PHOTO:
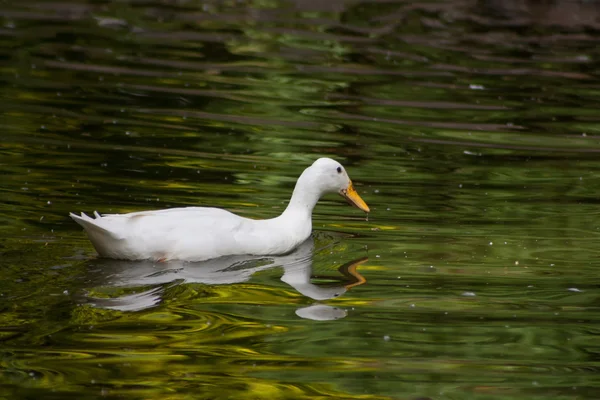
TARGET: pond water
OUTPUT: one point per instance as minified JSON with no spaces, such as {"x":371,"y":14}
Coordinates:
{"x":471,"y":128}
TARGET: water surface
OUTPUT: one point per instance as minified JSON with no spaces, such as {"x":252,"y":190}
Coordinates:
{"x":469,"y":127}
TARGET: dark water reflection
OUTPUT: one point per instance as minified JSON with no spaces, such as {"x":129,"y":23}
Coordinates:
{"x":470,"y":128}
{"x":152,"y":276}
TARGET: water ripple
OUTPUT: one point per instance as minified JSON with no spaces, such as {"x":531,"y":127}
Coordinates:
{"x":469,"y":128}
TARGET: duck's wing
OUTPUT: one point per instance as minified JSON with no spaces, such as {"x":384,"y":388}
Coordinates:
{"x":121,"y":226}
{"x":192,"y":233}
{"x":170,"y":212}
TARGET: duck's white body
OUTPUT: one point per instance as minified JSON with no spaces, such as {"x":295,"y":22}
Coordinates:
{"x":200,"y":233}
{"x":192,"y":234}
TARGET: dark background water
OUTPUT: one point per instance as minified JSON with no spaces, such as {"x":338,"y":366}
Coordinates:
{"x":471,"y":128}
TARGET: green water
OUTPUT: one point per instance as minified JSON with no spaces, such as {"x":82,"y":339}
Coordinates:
{"x":471,"y":129}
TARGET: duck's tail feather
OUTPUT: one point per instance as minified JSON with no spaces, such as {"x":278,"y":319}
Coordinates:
{"x":94,"y":225}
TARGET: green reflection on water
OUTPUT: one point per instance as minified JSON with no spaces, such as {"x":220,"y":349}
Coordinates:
{"x":472,"y":138}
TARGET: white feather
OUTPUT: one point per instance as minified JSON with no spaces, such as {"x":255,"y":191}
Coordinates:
{"x":201,"y":233}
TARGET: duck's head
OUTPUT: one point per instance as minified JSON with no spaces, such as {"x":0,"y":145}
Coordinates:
{"x":332,"y":177}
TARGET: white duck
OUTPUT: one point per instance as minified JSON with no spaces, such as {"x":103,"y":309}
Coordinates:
{"x":202,"y":233}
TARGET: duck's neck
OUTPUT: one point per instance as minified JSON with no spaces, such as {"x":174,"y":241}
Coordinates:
{"x":304,"y":198}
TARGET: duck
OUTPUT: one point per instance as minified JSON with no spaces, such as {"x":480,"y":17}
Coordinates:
{"x":204,"y":233}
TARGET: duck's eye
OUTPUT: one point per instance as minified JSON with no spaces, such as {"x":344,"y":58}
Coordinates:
{"x":339,"y":170}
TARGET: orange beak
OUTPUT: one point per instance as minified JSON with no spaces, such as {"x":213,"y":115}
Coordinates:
{"x":353,"y":198}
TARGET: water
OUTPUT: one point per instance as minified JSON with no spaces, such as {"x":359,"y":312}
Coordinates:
{"x":470,"y":128}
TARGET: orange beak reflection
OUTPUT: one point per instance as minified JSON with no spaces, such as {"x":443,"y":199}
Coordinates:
{"x":353,"y":198}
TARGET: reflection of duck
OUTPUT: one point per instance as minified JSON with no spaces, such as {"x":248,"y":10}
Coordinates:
{"x":201,"y":233}
{"x":297,"y":268}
